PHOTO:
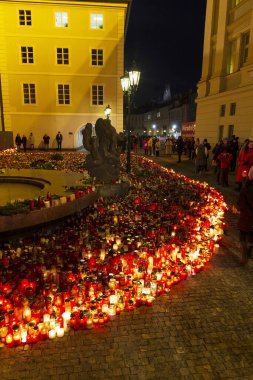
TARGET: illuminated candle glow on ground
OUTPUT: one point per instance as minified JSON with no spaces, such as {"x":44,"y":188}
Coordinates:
{"x":118,"y":254}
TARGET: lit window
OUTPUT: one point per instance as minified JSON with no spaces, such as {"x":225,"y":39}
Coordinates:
{"x":63,"y":94}
{"x":222,"y":110}
{"x":232,"y":108}
{"x":27,"y":54}
{"x":29,"y":93}
{"x":231,"y":57}
{"x":96,"y":21}
{"x":25,"y":17}
{"x":61,"y":19}
{"x":97,"y":57}
{"x":149,"y":116}
{"x":97,"y":95}
{"x":62,"y":56}
{"x":245,"y":47}
{"x":158,"y":114}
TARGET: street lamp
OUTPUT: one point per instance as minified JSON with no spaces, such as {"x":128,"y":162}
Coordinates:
{"x":129,"y":84}
{"x":107,"y":111}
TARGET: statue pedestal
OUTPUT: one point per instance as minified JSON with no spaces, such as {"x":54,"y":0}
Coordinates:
{"x":6,"y":140}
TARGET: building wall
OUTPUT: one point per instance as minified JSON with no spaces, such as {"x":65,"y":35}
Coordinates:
{"x":156,"y":121}
{"x":47,"y":116}
{"x":227,"y":71}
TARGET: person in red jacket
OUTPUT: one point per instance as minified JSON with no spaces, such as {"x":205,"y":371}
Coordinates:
{"x":245,"y":221}
{"x":224,"y":159}
{"x":245,"y":161}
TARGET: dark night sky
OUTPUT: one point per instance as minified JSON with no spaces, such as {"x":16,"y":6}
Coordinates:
{"x":165,"y":39}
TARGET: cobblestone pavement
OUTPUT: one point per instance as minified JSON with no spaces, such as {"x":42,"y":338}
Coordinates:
{"x":203,"y":329}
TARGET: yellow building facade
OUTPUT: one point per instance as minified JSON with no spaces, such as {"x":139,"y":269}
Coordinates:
{"x":60,"y":65}
{"x":225,"y":90}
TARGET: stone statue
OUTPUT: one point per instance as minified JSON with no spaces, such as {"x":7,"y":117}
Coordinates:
{"x":103,"y":160}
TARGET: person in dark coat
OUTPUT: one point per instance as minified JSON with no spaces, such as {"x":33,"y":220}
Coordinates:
{"x":59,"y":139}
{"x":245,"y":221}
{"x":18,"y":142}
{"x":180,"y":148}
{"x":46,"y":140}
{"x":208,"y":147}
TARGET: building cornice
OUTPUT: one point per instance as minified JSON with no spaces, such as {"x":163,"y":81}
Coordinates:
{"x":113,"y":3}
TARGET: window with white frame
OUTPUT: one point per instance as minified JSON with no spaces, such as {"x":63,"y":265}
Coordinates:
{"x":97,"y":57}
{"x":27,"y":54}
{"x":63,"y":94}
{"x":25,"y":17}
{"x":29,"y":93}
{"x":97,"y":95}
{"x":96,"y":21}
{"x":61,"y":19}
{"x":62,"y":56}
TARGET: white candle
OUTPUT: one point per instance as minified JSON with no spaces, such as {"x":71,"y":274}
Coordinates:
{"x":23,"y":336}
{"x":60,"y":332}
{"x":46,"y":318}
{"x":66,"y":319}
{"x":52,"y":334}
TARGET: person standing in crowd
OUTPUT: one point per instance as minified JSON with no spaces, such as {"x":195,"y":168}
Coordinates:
{"x":59,"y":139}
{"x":145,"y":145}
{"x":245,"y":221}
{"x":46,"y":140}
{"x":180,"y":148}
{"x":153,"y":145}
{"x":157,"y":147}
{"x":200,"y":160}
{"x":150,"y":143}
{"x":215,"y":162}
{"x":224,"y":158}
{"x":24,"y":142}
{"x":197,"y":142}
{"x":168,"y":146}
{"x":208,"y":147}
{"x":245,"y":161}
{"x":31,"y":141}
{"x":191,"y":144}
{"x":18,"y":142}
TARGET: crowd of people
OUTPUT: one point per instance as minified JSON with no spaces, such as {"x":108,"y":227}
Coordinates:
{"x":228,"y":155}
{"x":28,"y":143}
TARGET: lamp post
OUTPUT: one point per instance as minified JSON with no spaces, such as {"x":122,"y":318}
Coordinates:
{"x":108,"y":111}
{"x":129,"y":84}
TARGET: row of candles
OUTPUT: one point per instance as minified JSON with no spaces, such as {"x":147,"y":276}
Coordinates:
{"x":117,"y":255}
{"x":49,"y":201}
